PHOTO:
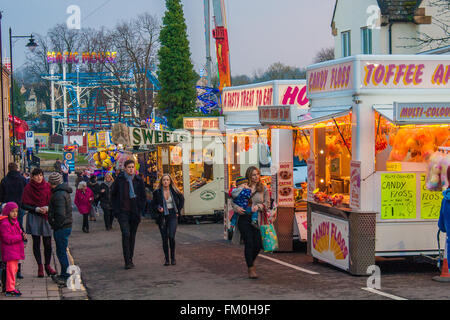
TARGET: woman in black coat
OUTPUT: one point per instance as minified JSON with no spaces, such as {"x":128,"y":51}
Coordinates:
{"x":168,"y":202}
{"x":105,"y":201}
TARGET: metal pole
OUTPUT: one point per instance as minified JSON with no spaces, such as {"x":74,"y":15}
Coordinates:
{"x":2,"y":105}
{"x":208,"y":42}
{"x":12,"y":95}
{"x":52,"y":69}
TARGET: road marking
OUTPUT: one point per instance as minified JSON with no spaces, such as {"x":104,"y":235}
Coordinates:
{"x":381,"y":293}
{"x":288,"y":264}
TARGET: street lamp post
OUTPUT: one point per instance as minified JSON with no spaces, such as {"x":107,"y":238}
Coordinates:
{"x":2,"y":93}
{"x":30,"y":45}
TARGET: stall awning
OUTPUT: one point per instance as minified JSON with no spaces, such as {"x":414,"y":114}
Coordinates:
{"x":319,"y":114}
{"x":387,"y":111}
{"x":233,"y":126}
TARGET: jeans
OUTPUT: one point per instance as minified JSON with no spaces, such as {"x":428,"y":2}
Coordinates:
{"x":108,"y":216}
{"x":62,"y":241}
{"x":65,"y":177}
{"x":85,"y":222}
{"x":129,"y":223}
{"x":168,"y":227}
{"x":252,"y":239}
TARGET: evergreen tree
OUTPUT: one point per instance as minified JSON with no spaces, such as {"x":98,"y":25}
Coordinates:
{"x":176,"y":73}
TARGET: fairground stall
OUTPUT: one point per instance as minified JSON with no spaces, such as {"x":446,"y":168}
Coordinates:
{"x":248,"y":141}
{"x":375,"y":123}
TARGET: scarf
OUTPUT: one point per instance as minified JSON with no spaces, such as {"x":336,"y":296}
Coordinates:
{"x":108,"y":183}
{"x":37,"y":194}
{"x":166,"y":211}
{"x":130,"y":183}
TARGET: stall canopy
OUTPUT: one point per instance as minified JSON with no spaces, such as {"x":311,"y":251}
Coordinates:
{"x":319,"y":114}
{"x":387,"y":111}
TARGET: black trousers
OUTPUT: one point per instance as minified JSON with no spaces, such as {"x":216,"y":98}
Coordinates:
{"x":252,"y":239}
{"x":108,"y":216}
{"x":47,"y":249}
{"x":168,"y":227}
{"x":86,"y":221}
{"x":129,"y":222}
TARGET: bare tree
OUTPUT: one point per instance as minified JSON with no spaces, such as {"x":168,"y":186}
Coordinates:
{"x":277,"y":71}
{"x":441,"y":20}
{"x":324,"y":54}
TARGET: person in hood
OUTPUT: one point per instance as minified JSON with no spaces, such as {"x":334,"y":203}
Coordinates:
{"x":35,"y":199}
{"x":12,"y":245}
{"x":11,"y":190}
{"x":83,"y":200}
{"x":444,"y":216}
{"x":60,"y":219}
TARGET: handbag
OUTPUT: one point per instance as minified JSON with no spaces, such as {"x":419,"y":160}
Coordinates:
{"x":268,"y":234}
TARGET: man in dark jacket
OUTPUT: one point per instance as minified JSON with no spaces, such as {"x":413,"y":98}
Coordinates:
{"x":128,"y":199}
{"x":11,"y":188}
{"x":60,"y":219}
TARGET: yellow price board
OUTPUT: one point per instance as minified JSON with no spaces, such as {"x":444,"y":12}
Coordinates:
{"x":393,"y":166}
{"x":398,"y":196}
{"x":430,"y":201}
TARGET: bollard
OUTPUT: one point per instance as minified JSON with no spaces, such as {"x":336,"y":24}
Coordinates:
{"x":445,"y":275}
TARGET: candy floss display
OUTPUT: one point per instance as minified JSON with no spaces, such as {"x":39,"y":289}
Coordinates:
{"x":384,"y":140}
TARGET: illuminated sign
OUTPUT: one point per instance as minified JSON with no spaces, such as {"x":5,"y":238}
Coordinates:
{"x":83,"y":57}
{"x":422,"y":112}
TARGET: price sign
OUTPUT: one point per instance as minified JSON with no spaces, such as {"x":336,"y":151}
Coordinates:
{"x":398,"y":196}
{"x":430,"y":201}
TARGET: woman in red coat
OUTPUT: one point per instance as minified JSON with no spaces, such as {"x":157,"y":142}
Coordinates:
{"x":83,"y":200}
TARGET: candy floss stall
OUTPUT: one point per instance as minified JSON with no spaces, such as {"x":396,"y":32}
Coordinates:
{"x":397,"y":112}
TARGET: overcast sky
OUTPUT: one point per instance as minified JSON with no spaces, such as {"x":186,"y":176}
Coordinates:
{"x":260,"y":31}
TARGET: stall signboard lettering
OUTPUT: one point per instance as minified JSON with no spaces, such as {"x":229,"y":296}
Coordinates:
{"x":92,"y":140}
{"x":275,"y":113}
{"x":393,"y":166}
{"x":405,"y":74}
{"x":311,"y":168}
{"x":205,"y":123}
{"x":330,"y":240}
{"x":422,"y":112}
{"x":247,"y":99}
{"x":144,"y":136}
{"x":293,"y":95}
{"x":337,"y":77}
{"x":285,"y":181}
{"x":398,"y":196}
{"x":430,"y":201}
{"x":355,"y":184}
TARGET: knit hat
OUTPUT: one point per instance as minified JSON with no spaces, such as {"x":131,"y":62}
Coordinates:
{"x":10,"y":206}
{"x":241,"y":180}
{"x":55,"y":179}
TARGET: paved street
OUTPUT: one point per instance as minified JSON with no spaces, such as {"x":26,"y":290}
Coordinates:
{"x":208,"y":267}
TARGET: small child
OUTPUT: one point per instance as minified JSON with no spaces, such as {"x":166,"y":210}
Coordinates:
{"x":12,"y":246}
{"x":241,"y":196}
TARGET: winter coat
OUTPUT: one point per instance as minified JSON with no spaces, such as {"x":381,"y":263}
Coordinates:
{"x":120,"y":186}
{"x":105,"y":197}
{"x":11,"y":187}
{"x":60,"y":208}
{"x":158,"y":202}
{"x":444,"y":216}
{"x":83,"y":200}
{"x":95,"y":188}
{"x":11,"y":240}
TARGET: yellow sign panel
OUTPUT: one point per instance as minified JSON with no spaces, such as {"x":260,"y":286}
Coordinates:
{"x":398,"y":196}
{"x":393,"y":166}
{"x":92,"y":140}
{"x":430,"y":201}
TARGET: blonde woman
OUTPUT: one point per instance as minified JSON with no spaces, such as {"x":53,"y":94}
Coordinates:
{"x":168,"y":202}
{"x":105,"y":201}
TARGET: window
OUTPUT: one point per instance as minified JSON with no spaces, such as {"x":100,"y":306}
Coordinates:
{"x":346,"y":51}
{"x":366,"y":40}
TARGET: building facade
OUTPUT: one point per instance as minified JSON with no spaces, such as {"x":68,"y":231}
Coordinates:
{"x":385,"y":26}
{"x":5,"y":149}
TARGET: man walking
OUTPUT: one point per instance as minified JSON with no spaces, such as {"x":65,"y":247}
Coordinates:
{"x":128,"y":198}
{"x":60,"y":219}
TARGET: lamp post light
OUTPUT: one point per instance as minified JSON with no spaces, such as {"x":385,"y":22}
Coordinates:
{"x":31,"y":45}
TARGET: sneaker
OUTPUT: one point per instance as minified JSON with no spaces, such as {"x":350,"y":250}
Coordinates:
{"x":15,"y":293}
{"x":59,"y":280}
{"x":128,"y":266}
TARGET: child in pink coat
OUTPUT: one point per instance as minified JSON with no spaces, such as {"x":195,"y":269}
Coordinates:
{"x":12,"y":246}
{"x":84,"y":198}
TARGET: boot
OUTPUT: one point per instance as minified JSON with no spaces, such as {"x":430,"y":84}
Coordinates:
{"x":40,"y":270}
{"x":49,"y":270}
{"x":252,"y":273}
{"x":19,"y":272}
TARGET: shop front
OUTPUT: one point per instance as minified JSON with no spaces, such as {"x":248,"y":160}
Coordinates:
{"x":376,"y":122}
